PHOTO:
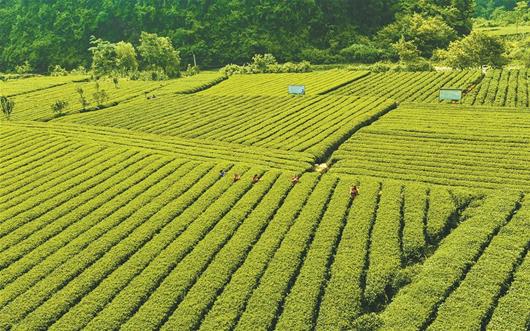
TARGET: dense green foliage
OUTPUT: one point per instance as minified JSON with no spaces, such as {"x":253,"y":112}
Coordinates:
{"x":496,"y":9}
{"x":223,"y":31}
{"x":473,"y":51}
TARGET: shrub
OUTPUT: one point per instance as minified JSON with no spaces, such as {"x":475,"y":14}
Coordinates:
{"x":380,"y":67}
{"x":57,"y":71}
{"x":262,"y":62}
{"x":303,"y":66}
{"x":24,"y":68}
{"x":230,"y":69}
{"x":191,"y":71}
{"x":155,"y":75}
{"x":265,"y":63}
{"x":419,"y":65}
{"x":320,"y":56}
{"x":362,"y":53}
{"x":81,"y":70}
{"x":368,"y":322}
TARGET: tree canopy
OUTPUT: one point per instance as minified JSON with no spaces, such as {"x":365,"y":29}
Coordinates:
{"x":486,"y":8}
{"x":217,"y":32}
{"x":475,"y":50}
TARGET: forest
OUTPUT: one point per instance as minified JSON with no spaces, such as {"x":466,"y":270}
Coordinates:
{"x":58,"y":32}
{"x":219,"y":32}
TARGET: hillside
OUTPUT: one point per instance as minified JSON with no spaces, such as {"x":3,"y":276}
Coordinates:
{"x":216,"y":33}
{"x":175,"y":205}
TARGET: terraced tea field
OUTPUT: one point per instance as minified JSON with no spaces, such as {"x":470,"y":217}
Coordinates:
{"x":310,"y":124}
{"x":181,"y":210}
{"x":506,"y":31}
{"x":434,"y":145}
{"x":502,"y":88}
{"x":193,"y":84}
{"x":126,"y":238}
{"x":14,"y":87}
{"x":33,"y":134}
{"x":410,"y":86}
{"x":34,"y":102}
{"x":316,"y":83}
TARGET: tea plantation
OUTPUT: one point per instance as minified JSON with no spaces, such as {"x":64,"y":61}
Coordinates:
{"x":203,"y":203}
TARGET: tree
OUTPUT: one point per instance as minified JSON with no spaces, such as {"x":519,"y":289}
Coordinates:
{"x":407,"y":51}
{"x":7,"y":106}
{"x":475,"y":50}
{"x":82,"y":99}
{"x":521,"y":9}
{"x":158,"y":53}
{"x":103,"y":56}
{"x":262,"y":62}
{"x":430,"y":33}
{"x":58,"y":107}
{"x":100,"y":95}
{"x":457,"y":14}
{"x":520,"y":51}
{"x":463,"y":13}
{"x":426,"y":33}
{"x":126,"y":61}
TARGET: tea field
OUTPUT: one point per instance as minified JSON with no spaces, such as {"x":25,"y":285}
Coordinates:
{"x":502,"y":88}
{"x":36,"y":134}
{"x":313,"y":124}
{"x":34,"y":102}
{"x":199,"y":204}
{"x":410,"y":86}
{"x":14,"y":87}
{"x":316,"y":83}
{"x":446,"y":145}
